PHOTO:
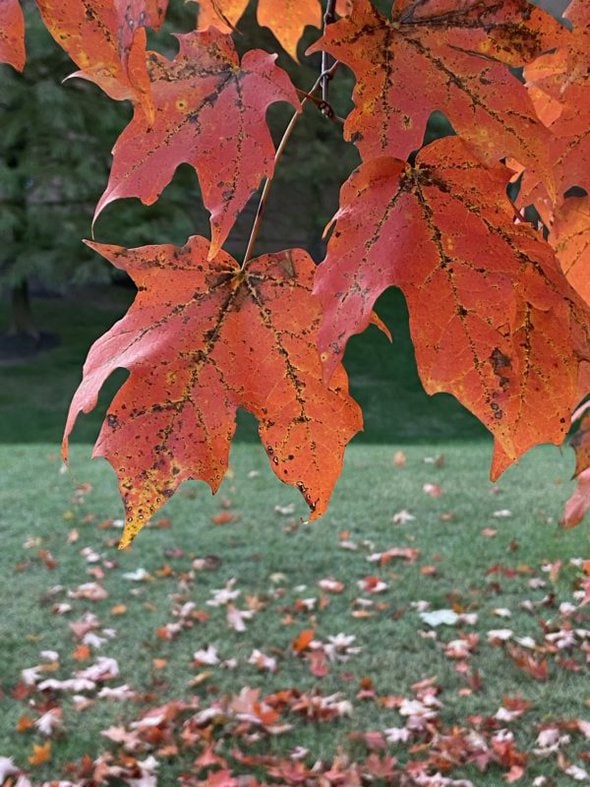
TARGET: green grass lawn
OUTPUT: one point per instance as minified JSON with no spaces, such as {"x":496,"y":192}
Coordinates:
{"x":58,"y":535}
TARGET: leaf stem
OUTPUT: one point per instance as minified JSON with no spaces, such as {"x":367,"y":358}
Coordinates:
{"x":279,"y":152}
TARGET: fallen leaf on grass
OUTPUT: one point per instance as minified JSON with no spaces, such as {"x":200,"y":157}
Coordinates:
{"x":91,"y":591}
{"x":7,"y":768}
{"x":24,"y":724}
{"x":285,"y":510}
{"x":432,"y":490}
{"x":262,"y":661}
{"x":318,"y":663}
{"x":41,"y":754}
{"x":402,"y":517}
{"x":577,"y":773}
{"x":498,"y":636}
{"x":236,"y":617}
{"x":105,"y":668}
{"x":206,"y":655}
{"x":49,"y":722}
{"x":372,"y":584}
{"x":75,"y":685}
{"x":81,"y":653}
{"x":537,"y":668}
{"x":405,"y":553}
{"x":223,"y":518}
{"x":222,"y":596}
{"x":331,"y":585}
{"x":139,"y":575}
{"x":302,"y":640}
{"x":123,"y":692}
{"x":439,"y":617}
{"x":340,"y":647}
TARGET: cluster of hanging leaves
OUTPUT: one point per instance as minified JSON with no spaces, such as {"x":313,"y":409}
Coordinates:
{"x":499,"y":305}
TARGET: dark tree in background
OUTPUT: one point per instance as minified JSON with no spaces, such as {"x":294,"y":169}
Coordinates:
{"x":54,"y":160}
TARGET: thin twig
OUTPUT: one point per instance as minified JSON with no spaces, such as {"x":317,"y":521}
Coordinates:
{"x":279,"y":152}
{"x":321,"y":105}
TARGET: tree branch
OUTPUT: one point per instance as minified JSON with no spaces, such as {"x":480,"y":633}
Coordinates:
{"x":279,"y":152}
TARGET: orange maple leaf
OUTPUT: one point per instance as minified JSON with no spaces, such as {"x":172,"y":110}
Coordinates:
{"x":210,"y":112}
{"x":107,"y":42}
{"x":443,"y":231}
{"x":570,"y":237}
{"x":559,"y":84}
{"x":12,"y":34}
{"x":302,"y":640}
{"x":286,"y":18}
{"x":41,"y":754}
{"x":442,"y":55}
{"x":202,"y":339}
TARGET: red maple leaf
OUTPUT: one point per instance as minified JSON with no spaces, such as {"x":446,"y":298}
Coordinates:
{"x":286,"y":18}
{"x":559,"y":84}
{"x":12,"y":34}
{"x":570,"y":237}
{"x":202,"y":339}
{"x":444,"y":232}
{"x":210,"y":113}
{"x":437,"y":54}
{"x":107,"y":42}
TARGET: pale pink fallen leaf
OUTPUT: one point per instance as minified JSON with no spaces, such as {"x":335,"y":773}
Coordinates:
{"x":105,"y":668}
{"x":331,"y":585}
{"x":50,"y":721}
{"x":236,"y":617}
{"x":402,"y":517}
{"x":262,"y":661}
{"x":91,"y":591}
{"x":206,"y":655}
{"x":7,"y":768}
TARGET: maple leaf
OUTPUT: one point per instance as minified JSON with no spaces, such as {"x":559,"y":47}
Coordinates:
{"x":580,"y":440}
{"x":570,"y":237}
{"x":41,"y":754}
{"x":537,"y":668}
{"x":12,"y":34}
{"x":303,"y":640}
{"x":50,"y":721}
{"x":434,"y":54}
{"x":443,"y":231}
{"x":222,"y":14}
{"x":107,"y":42}
{"x":7,"y":768}
{"x":202,"y":339}
{"x":578,"y":503}
{"x":209,"y":113}
{"x":286,"y":18}
{"x":559,"y":84}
